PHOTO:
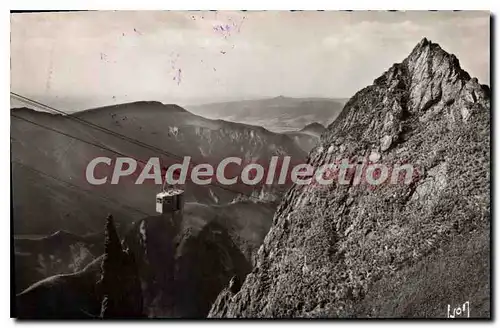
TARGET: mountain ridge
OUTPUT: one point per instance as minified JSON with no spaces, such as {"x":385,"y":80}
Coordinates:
{"x":179,"y":133}
{"x":329,"y":247}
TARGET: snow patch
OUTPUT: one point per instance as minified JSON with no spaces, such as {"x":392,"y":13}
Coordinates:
{"x":142,"y":232}
{"x":173,"y":130}
{"x":202,"y":152}
{"x":214,"y":196}
{"x":79,"y":255}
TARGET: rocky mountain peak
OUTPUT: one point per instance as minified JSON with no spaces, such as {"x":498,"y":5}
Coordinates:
{"x":430,"y":74}
{"x":431,"y":54}
{"x":332,"y":250}
{"x":429,"y":78}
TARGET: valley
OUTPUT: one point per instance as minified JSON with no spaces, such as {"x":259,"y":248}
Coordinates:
{"x":50,"y":160}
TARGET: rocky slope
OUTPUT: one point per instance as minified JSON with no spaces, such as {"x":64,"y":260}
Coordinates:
{"x":394,"y":250}
{"x":205,"y":262}
{"x":184,"y":263}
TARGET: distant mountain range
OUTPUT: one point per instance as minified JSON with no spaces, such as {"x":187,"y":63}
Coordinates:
{"x":167,"y":127}
{"x":279,"y":114}
{"x":221,"y":230}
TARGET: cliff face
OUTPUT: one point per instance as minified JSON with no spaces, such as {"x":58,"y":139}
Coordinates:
{"x":183,"y":267}
{"x":393,"y":249}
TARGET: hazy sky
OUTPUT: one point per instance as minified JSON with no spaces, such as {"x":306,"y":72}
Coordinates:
{"x":88,"y":59}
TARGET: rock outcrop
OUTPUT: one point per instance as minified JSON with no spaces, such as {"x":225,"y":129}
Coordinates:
{"x":395,"y":249}
{"x":108,"y":287}
{"x":119,"y":284}
{"x":165,"y":267}
{"x":182,"y":269}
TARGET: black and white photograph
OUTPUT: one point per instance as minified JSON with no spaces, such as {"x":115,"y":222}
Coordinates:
{"x":250,"y":164}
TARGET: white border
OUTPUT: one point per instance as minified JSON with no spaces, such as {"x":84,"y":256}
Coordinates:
{"x":250,"y":5}
{"x":202,"y":5}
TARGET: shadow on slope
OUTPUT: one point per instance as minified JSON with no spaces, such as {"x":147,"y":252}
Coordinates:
{"x":59,"y":253}
{"x":65,"y":296}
